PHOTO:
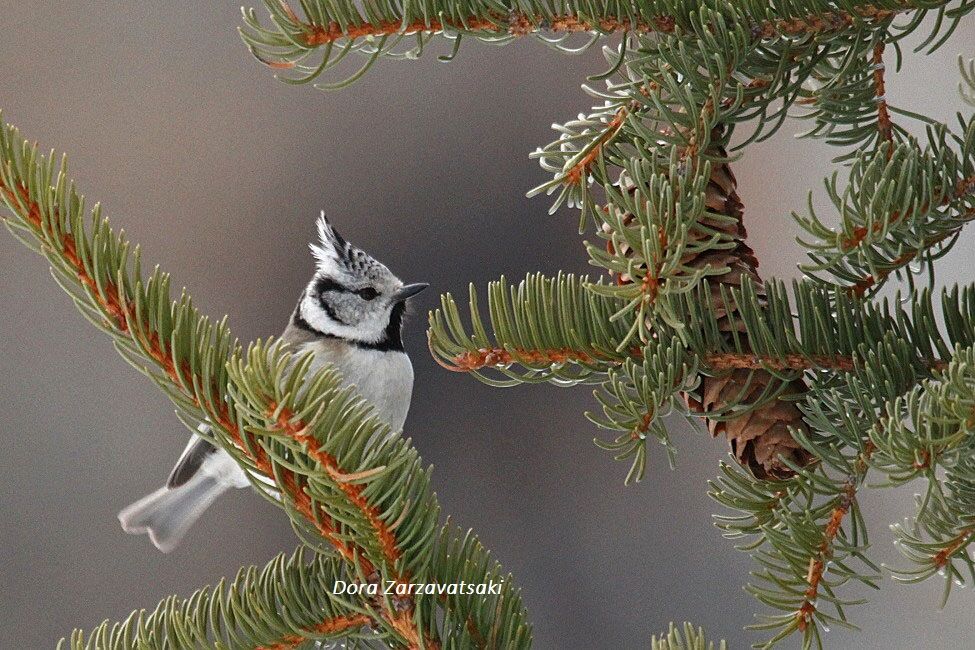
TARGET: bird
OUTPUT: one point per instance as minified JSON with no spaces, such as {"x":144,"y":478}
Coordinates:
{"x":350,"y":315}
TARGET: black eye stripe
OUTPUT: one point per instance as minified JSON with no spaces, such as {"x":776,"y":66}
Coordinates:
{"x":328,"y":284}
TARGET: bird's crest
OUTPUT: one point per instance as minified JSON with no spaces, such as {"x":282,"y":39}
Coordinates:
{"x":336,"y":258}
{"x":330,"y":251}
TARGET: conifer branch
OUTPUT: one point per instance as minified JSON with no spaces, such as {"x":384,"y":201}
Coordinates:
{"x":686,"y":325}
{"x":902,"y":204}
{"x":499,"y":357}
{"x":687,"y":313}
{"x":806,"y":331}
{"x":339,"y":28}
{"x":226,"y":615}
{"x":884,"y":124}
{"x":843,"y":503}
{"x":520,"y":23}
{"x":342,"y":477}
{"x":687,"y":638}
{"x":927,"y":431}
{"x":286,"y":422}
{"x":674,"y":184}
{"x":604,"y":139}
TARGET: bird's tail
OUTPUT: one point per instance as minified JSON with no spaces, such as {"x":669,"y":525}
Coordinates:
{"x":166,"y":514}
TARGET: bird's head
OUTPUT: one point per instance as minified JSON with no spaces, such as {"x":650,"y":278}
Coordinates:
{"x":353,"y":296}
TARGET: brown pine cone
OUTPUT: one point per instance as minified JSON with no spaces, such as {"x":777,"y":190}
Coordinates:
{"x":760,"y":437}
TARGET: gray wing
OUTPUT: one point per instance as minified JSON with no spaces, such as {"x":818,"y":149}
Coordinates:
{"x":199,"y":448}
{"x":190,"y":461}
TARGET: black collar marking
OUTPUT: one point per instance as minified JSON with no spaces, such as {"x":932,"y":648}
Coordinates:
{"x":392,"y":336}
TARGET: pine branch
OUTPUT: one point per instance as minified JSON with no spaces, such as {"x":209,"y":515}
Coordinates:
{"x":927,"y":431}
{"x":845,"y":96}
{"x":637,"y":396}
{"x":308,"y":416}
{"x":805,"y":533}
{"x":672,"y":215}
{"x":499,"y":357}
{"x":258,"y":607}
{"x":336,"y":29}
{"x":842,"y":505}
{"x":902,"y":204}
{"x":806,"y":530}
{"x":345,"y":481}
{"x":554,"y":329}
{"x":548,"y":325}
{"x":867,"y":283}
{"x":812,"y":329}
{"x":125,"y":306}
{"x":691,"y":639}
{"x":931,"y":426}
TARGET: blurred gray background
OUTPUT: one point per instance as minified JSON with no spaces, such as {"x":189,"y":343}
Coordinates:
{"x":218,"y":171}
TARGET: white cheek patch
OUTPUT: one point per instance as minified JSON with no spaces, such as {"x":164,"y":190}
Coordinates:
{"x":319,"y":320}
{"x":368,"y":330}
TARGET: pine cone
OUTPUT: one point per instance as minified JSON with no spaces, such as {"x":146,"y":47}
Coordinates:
{"x":760,"y":438}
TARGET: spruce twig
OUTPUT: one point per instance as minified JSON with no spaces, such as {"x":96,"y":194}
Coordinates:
{"x":350,"y":488}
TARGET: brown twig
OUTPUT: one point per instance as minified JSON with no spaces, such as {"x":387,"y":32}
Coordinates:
{"x":578,"y":171}
{"x":500,"y":357}
{"x":518,"y":23}
{"x":401,"y":621}
{"x":328,"y":626}
{"x":817,"y":562}
{"x":884,"y":124}
{"x":640,"y":430}
{"x":964,"y":187}
{"x":942,"y":557}
{"x":353,"y":491}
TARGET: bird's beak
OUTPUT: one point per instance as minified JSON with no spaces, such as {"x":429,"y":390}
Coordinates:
{"x":408,"y":291}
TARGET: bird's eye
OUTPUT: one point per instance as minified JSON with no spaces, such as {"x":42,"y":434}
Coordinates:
{"x":368,"y":293}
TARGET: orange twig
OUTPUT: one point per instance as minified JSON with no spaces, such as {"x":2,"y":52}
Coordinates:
{"x":353,"y":491}
{"x":578,"y":172}
{"x":328,"y":626}
{"x":817,"y":562}
{"x":401,"y":621}
{"x":494,"y":357}
{"x":641,"y":429}
{"x":965,"y":186}
{"x":942,"y":557}
{"x":650,"y":286}
{"x":884,"y":123}
{"x":518,"y":23}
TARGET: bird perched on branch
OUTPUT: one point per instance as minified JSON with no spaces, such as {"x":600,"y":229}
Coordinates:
{"x":350,"y":316}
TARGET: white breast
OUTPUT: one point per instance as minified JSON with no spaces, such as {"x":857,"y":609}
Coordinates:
{"x":384,"y":378}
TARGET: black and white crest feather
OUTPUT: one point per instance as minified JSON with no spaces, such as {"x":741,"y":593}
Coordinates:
{"x":338,"y":259}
